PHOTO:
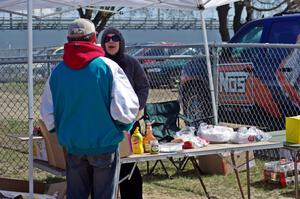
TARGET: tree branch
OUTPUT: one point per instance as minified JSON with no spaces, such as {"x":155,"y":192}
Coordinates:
{"x":269,"y":9}
{"x":88,"y":13}
{"x":249,"y":10}
{"x":80,"y":11}
{"x":265,"y":3}
{"x":238,"y":9}
{"x":98,"y":17}
{"x":102,"y":24}
{"x":222,"y":15}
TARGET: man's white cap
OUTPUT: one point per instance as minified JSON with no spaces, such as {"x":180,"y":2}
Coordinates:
{"x":81,"y":27}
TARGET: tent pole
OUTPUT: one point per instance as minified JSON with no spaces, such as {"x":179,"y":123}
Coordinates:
{"x":30,"y":96}
{"x":208,"y":64}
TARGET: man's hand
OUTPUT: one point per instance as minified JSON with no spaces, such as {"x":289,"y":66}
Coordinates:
{"x":139,"y":115}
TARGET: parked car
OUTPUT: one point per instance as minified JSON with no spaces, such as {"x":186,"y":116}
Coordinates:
{"x":58,"y":51}
{"x":254,"y":84}
{"x":133,"y":49}
{"x":166,"y":73}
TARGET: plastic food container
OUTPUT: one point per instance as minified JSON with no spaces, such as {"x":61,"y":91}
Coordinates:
{"x":170,"y":147}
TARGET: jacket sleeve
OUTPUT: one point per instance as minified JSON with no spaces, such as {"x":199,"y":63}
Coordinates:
{"x":141,"y":83}
{"x":124,"y":102}
{"x":46,"y":108}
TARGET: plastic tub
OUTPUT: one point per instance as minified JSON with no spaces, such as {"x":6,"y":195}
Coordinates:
{"x":170,"y":147}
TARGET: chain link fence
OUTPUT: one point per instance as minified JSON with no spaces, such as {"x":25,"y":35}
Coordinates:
{"x":254,"y":85}
{"x":14,"y":111}
{"x":258,"y":85}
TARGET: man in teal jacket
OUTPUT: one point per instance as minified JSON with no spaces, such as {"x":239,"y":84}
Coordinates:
{"x":89,"y":101}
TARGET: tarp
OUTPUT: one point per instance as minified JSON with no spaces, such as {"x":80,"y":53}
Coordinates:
{"x":27,"y":6}
{"x":18,"y":5}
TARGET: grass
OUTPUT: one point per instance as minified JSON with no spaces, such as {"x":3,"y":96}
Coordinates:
{"x":187,"y":185}
{"x":14,"y":162}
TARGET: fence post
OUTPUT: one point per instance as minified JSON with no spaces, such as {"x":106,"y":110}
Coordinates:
{"x":215,"y":60}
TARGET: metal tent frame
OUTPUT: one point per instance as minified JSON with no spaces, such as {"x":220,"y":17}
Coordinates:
{"x":14,"y":6}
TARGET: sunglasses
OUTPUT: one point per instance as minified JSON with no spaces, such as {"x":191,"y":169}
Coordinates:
{"x":114,"y":38}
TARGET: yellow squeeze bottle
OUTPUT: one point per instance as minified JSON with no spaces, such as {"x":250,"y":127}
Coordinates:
{"x":137,"y":142}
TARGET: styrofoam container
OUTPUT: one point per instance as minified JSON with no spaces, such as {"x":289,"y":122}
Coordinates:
{"x":170,"y":147}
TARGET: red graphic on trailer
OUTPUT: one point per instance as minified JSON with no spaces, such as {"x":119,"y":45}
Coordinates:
{"x":238,"y":86}
{"x":288,"y":75}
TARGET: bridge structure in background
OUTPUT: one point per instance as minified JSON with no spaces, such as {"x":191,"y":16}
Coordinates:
{"x":153,"y":24}
{"x":144,"y":18}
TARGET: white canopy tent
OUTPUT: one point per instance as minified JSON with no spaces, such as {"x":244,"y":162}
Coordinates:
{"x":19,"y":6}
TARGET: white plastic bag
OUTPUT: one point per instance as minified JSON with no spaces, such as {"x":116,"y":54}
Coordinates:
{"x":253,"y":134}
{"x":186,"y":131}
{"x":216,"y":134}
{"x":187,"y":134}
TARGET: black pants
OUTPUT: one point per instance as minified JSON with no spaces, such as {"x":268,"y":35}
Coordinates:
{"x":133,"y":188}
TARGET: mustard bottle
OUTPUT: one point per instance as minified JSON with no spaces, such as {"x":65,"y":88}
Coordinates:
{"x":137,"y":142}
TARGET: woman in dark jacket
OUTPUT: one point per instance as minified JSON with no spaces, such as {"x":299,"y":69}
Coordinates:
{"x":113,"y":44}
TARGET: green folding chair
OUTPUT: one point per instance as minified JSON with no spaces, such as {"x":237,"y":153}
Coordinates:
{"x":164,"y":117}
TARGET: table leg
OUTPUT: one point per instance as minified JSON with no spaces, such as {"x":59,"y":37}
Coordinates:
{"x":198,"y":170}
{"x":164,"y":168}
{"x":148,"y":170}
{"x":118,"y":168}
{"x":128,"y":177}
{"x":248,"y":174}
{"x":296,"y":174}
{"x":131,"y":172}
{"x":237,"y":175}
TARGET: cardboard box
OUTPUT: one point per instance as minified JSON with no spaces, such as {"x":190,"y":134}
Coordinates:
{"x":39,"y":149}
{"x":292,"y":125}
{"x":125,"y":147}
{"x":55,"y":152}
{"x":17,"y":188}
{"x":215,"y":164}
